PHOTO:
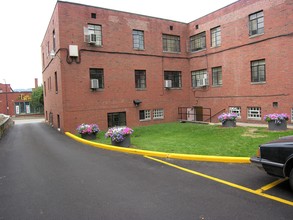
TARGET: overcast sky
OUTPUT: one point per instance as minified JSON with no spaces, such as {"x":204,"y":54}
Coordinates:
{"x":23,"y":24}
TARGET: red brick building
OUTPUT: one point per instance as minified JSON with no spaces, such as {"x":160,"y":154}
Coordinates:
{"x":17,"y":103}
{"x":115,"y":68}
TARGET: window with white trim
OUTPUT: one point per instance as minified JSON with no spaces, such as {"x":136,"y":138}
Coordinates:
{"x":175,"y":77}
{"x":144,"y":115}
{"x":216,"y":37}
{"x":254,"y":113}
{"x":256,"y":23}
{"x":258,"y":71}
{"x":197,"y":42}
{"x":93,"y":34}
{"x":138,"y":39}
{"x":171,"y":43}
{"x":291,"y":114}
{"x":158,"y":113}
{"x":217,"y":76}
{"x":236,"y":110}
{"x":199,"y":78}
{"x":140,"y":79}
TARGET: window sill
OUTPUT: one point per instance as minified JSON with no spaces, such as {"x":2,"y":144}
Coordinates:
{"x":158,"y":118}
{"x":97,"y":90}
{"x":173,"y":52}
{"x":141,"y":89}
{"x":144,"y":120}
{"x":257,"y":83}
{"x":200,"y":87}
{"x":217,"y":86}
{"x":196,"y":51}
{"x":256,"y":35}
{"x":255,"y":119}
{"x":137,"y":49}
{"x":214,"y":47}
{"x":174,"y":88}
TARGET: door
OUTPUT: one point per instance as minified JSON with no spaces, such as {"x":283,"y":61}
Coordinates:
{"x":198,"y":113}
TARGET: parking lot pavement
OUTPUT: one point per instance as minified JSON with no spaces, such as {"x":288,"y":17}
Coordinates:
{"x":245,"y":177}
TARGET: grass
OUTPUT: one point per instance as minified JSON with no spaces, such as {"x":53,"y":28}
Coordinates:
{"x":188,"y":138}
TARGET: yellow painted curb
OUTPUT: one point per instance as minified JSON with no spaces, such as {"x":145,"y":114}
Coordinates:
{"x":221,"y":159}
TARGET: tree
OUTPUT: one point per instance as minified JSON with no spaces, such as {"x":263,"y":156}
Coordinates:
{"x":37,"y":97}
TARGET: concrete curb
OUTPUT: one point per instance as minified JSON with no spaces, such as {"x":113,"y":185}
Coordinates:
{"x":205,"y":158}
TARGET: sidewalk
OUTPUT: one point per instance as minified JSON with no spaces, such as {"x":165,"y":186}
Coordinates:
{"x":289,"y":126}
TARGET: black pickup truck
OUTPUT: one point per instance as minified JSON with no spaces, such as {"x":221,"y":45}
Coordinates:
{"x":276,"y":158}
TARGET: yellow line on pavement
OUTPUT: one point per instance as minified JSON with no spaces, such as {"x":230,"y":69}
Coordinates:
{"x":271,"y":185}
{"x":256,"y":192}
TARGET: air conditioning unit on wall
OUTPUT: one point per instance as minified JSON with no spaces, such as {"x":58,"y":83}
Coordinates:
{"x":92,"y":38}
{"x":94,"y":83}
{"x":202,"y":82}
{"x":168,"y":84}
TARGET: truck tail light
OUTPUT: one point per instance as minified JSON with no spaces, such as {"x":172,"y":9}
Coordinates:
{"x":258,"y":152}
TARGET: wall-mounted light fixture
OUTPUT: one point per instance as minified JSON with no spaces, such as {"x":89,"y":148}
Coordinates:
{"x":136,"y":102}
{"x":53,"y":55}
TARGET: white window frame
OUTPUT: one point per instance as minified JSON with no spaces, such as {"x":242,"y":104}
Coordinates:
{"x":138,"y":39}
{"x":147,"y":115}
{"x":254,"y":113}
{"x":93,"y":29}
{"x":216,"y":37}
{"x":158,"y":114}
{"x":256,"y":23}
{"x":199,"y":78}
{"x":235,"y":109}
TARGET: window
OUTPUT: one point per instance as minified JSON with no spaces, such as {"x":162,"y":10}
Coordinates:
{"x":48,"y":48}
{"x":199,"y":78}
{"x":54,"y":41}
{"x":116,"y":119}
{"x":99,"y":75}
{"x":256,"y":23}
{"x":217,"y":76}
{"x":291,"y":114}
{"x":140,"y":79}
{"x":22,"y":108}
{"x":216,"y":37}
{"x":275,"y":104}
{"x":58,"y":122}
{"x":175,"y":77}
{"x":49,"y":84}
{"x":198,"y":42}
{"x":93,"y":15}
{"x":93,"y":34}
{"x":236,"y":110}
{"x":158,"y":113}
{"x":144,"y":115}
{"x":258,"y":71}
{"x":171,"y":43}
{"x":45,"y":90}
{"x":56,"y":83}
{"x":254,"y":113}
{"x":138,"y":39}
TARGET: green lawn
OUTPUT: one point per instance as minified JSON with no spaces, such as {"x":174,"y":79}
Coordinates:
{"x":200,"y":139}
